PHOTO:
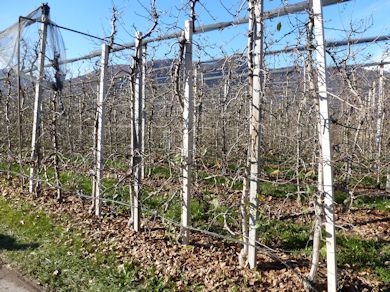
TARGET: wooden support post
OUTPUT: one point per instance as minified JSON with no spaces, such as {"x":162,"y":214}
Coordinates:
{"x":188,"y":119}
{"x":137,"y":132}
{"x":255,"y":129}
{"x":34,"y":185}
{"x":100,"y":129}
{"x":326,"y":146}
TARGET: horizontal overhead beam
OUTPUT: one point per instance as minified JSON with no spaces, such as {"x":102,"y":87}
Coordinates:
{"x":330,"y":44}
{"x":278,"y":12}
{"x":301,"y":48}
{"x":280,"y":70}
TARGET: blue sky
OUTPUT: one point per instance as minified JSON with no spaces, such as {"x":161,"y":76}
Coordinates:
{"x":93,"y":17}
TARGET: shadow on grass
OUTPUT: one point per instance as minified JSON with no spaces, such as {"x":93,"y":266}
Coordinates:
{"x":9,"y":243}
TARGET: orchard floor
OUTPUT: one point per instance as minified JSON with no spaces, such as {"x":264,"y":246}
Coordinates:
{"x":209,"y":263}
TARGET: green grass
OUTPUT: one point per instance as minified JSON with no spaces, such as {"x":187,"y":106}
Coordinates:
{"x":352,"y":251}
{"x":277,"y":189}
{"x":373,"y":202}
{"x":381,"y":202}
{"x":365,"y":254}
{"x":360,"y":253}
{"x":340,"y":197}
{"x":368,"y":181}
{"x":64,"y":260}
{"x":282,"y":234}
{"x":117,"y":163}
{"x":201,"y":210}
{"x":73,"y":181}
{"x":159,"y":172}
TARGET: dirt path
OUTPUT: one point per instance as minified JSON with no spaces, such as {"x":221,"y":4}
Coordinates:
{"x":12,"y":281}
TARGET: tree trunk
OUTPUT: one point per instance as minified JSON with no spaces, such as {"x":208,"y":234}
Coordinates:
{"x":54,"y":139}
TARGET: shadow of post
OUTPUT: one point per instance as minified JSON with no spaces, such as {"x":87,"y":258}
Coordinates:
{"x":9,"y":243}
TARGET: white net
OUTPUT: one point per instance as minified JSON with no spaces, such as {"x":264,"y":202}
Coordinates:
{"x":19,"y":45}
{"x":9,"y":40}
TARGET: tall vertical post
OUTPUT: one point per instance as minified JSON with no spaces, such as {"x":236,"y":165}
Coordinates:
{"x":388,"y":173}
{"x":198,"y":102}
{"x":100,"y":129}
{"x":34,"y":185}
{"x":95,"y":129}
{"x":325,"y":147}
{"x":20,"y":135}
{"x":196,"y":94}
{"x":255,"y":128}
{"x":137,"y":132}
{"x":144,"y":52}
{"x":188,"y":119}
{"x":379,"y":125}
{"x":388,"y":145}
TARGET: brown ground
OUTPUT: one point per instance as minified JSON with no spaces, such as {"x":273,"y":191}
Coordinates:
{"x":210,"y":261}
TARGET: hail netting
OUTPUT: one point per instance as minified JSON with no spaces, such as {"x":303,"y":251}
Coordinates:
{"x":25,"y":36}
{"x":9,"y":40}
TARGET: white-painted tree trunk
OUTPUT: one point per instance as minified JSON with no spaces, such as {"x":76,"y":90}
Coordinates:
{"x":100,"y":129}
{"x":255,"y":129}
{"x":188,"y":118}
{"x":137,"y":133}
{"x":325,"y":147}
{"x":34,"y":185}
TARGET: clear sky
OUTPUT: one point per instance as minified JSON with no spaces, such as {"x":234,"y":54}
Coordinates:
{"x":368,"y":17}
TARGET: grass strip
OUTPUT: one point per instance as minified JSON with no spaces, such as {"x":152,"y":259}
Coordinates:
{"x":64,"y":260}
